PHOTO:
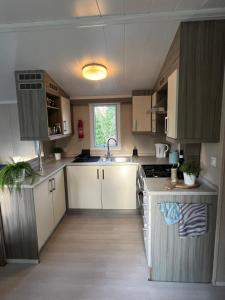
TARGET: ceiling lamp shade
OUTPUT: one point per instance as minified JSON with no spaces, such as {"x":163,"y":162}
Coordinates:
{"x":94,"y":71}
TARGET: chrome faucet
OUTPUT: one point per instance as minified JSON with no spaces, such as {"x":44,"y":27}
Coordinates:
{"x":108,"y":150}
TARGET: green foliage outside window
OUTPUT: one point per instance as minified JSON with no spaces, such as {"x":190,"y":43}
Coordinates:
{"x":104,"y":124}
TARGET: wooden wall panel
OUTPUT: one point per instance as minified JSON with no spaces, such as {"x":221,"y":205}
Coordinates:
{"x":181,"y":259}
{"x":2,"y":243}
{"x":171,"y":62}
{"x":19,"y":222}
{"x":202,"y":53}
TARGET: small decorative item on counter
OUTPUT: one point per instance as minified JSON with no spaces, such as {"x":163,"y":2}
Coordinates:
{"x":13,"y":174}
{"x":58,"y":128}
{"x":173,"y":174}
{"x":191,"y":170}
{"x":180,"y":174}
{"x":173,"y":157}
{"x":135,"y":152}
{"x":57,"y":152}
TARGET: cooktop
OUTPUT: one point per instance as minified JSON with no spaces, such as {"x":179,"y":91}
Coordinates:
{"x":157,"y":170}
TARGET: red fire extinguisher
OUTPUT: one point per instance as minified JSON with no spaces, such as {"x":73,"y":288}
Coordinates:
{"x":80,"y":129}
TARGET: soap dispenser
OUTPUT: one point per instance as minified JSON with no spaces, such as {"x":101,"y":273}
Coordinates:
{"x":135,"y":152}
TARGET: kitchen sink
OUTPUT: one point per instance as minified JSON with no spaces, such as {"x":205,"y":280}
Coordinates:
{"x":117,"y":159}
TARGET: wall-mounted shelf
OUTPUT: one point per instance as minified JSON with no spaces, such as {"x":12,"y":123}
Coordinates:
{"x":41,"y":107}
{"x":53,"y":107}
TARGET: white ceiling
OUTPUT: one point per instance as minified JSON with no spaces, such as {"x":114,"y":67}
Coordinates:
{"x":131,"y":37}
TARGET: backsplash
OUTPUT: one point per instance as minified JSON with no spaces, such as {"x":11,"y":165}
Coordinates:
{"x":143,"y":142}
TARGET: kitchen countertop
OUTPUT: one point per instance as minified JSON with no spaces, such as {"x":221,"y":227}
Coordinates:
{"x":157,"y":186}
{"x":154,"y":186}
{"x":51,"y":166}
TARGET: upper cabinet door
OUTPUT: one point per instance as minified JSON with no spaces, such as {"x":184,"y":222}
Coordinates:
{"x":84,"y":187}
{"x":119,"y":187}
{"x":66,"y":115}
{"x":172,"y":105}
{"x":141,"y":113}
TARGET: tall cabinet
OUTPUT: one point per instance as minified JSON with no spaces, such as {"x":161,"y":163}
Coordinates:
{"x":43,"y":106}
{"x":193,"y":75}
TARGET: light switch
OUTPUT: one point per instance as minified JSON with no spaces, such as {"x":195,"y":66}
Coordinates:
{"x":213,"y":161}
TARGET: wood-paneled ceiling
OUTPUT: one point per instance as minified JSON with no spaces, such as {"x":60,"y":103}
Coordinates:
{"x":131,"y":37}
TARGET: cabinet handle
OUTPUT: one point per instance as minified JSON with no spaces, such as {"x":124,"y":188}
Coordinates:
{"x":136,"y":125}
{"x":97,"y":173}
{"x":50,"y":185}
{"x":103,"y":174}
{"x":53,"y":180}
{"x":64,"y":126}
{"x":166,"y":125}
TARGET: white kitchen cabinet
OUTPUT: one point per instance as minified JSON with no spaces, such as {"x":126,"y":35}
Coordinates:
{"x":66,"y":115}
{"x":84,"y":187}
{"x":58,"y":196}
{"x":172,"y":105}
{"x":107,"y":187}
{"x":43,"y":211}
{"x":119,"y":187}
{"x":141,"y":108}
{"x":50,"y":206}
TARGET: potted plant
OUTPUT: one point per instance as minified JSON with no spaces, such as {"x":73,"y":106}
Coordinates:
{"x":13,"y":174}
{"x":191,"y":170}
{"x":57,"y":152}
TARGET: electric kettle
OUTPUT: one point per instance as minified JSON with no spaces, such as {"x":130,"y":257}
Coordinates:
{"x":160,"y":150}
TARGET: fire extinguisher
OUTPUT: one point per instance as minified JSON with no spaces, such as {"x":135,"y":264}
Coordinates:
{"x":80,"y":129}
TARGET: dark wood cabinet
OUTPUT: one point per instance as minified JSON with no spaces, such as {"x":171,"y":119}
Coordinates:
{"x":2,"y":243}
{"x":194,"y":70}
{"x":39,"y":105}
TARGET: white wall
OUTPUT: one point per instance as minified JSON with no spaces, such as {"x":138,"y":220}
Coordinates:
{"x":209,"y":172}
{"x":10,"y":143}
{"x":145,"y":143}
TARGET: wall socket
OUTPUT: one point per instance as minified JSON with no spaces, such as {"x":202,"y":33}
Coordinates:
{"x":213,"y":161}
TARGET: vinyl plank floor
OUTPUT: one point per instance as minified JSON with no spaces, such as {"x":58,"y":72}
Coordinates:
{"x":95,"y":257}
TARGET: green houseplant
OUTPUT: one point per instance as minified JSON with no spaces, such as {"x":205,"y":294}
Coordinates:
{"x":57,"y":152}
{"x":191,"y":170}
{"x":13,"y":174}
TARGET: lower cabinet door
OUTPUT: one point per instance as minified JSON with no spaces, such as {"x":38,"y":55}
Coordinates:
{"x":59,"y":201}
{"x":43,"y":211}
{"x":84,"y":187}
{"x":119,"y":187}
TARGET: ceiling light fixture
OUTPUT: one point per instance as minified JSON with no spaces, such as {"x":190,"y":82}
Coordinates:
{"x":94,"y":71}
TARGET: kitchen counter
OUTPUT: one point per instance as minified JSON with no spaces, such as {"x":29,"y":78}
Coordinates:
{"x":157,"y":186}
{"x":154,"y":186}
{"x":51,"y":166}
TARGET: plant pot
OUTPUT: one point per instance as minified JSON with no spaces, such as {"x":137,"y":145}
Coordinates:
{"x":20,"y":176}
{"x":189,"y":179}
{"x":58,"y":156}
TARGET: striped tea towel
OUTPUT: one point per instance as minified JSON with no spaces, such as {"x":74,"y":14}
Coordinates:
{"x":193,"y":219}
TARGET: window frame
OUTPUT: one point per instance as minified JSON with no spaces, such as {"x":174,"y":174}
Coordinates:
{"x":92,"y":127}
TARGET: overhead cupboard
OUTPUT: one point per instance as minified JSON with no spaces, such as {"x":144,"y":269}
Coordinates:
{"x":43,"y":107}
{"x":192,"y":74}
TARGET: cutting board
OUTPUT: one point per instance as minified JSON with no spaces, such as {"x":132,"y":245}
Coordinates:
{"x":180,"y":184}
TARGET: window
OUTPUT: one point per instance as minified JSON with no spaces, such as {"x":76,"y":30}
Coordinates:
{"x":104,"y":125}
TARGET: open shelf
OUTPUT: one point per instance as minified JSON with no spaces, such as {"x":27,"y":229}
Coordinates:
{"x":52,"y":107}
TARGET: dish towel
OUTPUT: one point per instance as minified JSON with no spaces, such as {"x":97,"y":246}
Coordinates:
{"x":193,"y":219}
{"x":171,"y":212}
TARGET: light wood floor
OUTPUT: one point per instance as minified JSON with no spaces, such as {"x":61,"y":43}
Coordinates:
{"x":95,"y":257}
